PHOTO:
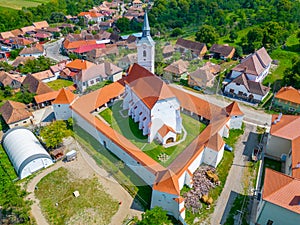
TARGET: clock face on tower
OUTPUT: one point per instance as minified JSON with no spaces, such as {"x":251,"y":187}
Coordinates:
{"x":144,"y":46}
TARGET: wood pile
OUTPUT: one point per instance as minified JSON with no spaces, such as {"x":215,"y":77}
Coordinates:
{"x":201,"y":186}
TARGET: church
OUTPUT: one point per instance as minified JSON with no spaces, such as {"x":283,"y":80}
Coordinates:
{"x":148,"y":99}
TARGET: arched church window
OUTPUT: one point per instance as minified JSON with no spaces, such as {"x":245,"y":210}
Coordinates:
{"x":144,"y":53}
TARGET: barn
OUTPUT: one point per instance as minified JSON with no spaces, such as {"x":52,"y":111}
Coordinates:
{"x":25,"y":151}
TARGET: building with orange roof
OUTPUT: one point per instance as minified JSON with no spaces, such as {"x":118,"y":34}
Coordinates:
{"x":176,"y":70}
{"x":45,"y":76}
{"x":79,"y":64}
{"x":280,"y":203}
{"x":41,"y":24}
{"x":92,"y":16}
{"x":61,"y":104}
{"x":152,"y":104}
{"x":35,"y":51}
{"x":287,"y":99}
{"x":45,"y":99}
{"x":167,"y":182}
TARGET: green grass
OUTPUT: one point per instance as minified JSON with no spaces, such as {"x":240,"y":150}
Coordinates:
{"x":272,"y":164}
{"x":6,"y":164}
{"x":59,"y":83}
{"x":18,"y":4}
{"x":92,"y":206}
{"x":130,"y":181}
{"x":222,"y":171}
{"x":129,"y":129}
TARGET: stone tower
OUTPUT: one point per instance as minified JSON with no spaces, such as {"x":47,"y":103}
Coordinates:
{"x":146,"y":47}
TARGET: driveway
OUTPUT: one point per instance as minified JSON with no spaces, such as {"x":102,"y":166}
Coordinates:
{"x":53,"y":50}
{"x":252,"y":116}
{"x":234,"y":183}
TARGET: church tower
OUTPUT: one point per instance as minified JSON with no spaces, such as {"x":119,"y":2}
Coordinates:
{"x":146,"y":47}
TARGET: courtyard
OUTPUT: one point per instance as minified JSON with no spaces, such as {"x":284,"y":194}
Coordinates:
{"x":119,"y":120}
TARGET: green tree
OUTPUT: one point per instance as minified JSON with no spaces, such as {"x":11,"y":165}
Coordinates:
{"x":5,"y":66}
{"x":292,"y":75}
{"x":238,"y":51}
{"x":155,"y":216}
{"x":53,"y":134}
{"x":207,"y":34}
{"x":123,"y":24}
{"x":233,"y":35}
{"x":176,"y":32}
{"x":253,"y":40}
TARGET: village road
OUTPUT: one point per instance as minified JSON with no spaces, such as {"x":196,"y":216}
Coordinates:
{"x":53,"y":50}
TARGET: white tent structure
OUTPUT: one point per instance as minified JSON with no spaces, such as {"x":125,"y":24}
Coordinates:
{"x":25,"y":151}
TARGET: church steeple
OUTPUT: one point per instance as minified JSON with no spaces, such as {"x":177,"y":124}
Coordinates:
{"x":146,"y":27}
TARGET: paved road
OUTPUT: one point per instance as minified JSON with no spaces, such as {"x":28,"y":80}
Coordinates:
{"x":52,"y":50}
{"x":234,"y":182}
{"x":254,"y":116}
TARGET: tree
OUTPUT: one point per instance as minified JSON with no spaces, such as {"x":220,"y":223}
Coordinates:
{"x":207,"y":34}
{"x":123,"y":24}
{"x":155,"y":216}
{"x":233,"y":35}
{"x":5,"y":66}
{"x":176,"y":32}
{"x":238,"y":51}
{"x":54,"y":133}
{"x":292,"y":75}
{"x":253,"y":40}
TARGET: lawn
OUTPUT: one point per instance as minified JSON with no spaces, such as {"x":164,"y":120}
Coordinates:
{"x":93,"y":206}
{"x":130,"y":181}
{"x":59,"y":83}
{"x":18,"y":4}
{"x":6,"y":164}
{"x":129,"y":129}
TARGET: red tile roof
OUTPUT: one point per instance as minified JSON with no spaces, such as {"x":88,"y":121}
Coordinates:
{"x":43,"y":75}
{"x":166,"y":181}
{"x":41,"y":24}
{"x":88,"y":48}
{"x":216,"y":142}
{"x":79,"y":64}
{"x":76,"y":44}
{"x":282,"y":190}
{"x":233,"y":109}
{"x":14,"y":111}
{"x":91,"y":14}
{"x":147,"y":86}
{"x":50,"y":96}
{"x":65,"y":96}
{"x":289,"y":94}
{"x":165,"y":129}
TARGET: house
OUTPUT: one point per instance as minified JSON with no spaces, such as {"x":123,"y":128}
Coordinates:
{"x":9,"y":80}
{"x":20,"y":42}
{"x":82,"y":51}
{"x":245,"y":89}
{"x":41,"y":24}
{"x":280,"y":192}
{"x":137,"y":3}
{"x":280,"y":199}
{"x":43,"y":36}
{"x":45,"y":76}
{"x":92,"y":16}
{"x":222,"y":51}
{"x":34,"y":85}
{"x":6,"y":35}
{"x":197,"y":49}
{"x":28,"y":30}
{"x":70,"y":45}
{"x":74,"y":67}
{"x":127,"y":60}
{"x":61,"y":104}
{"x":98,"y":55}
{"x":256,"y":66}
{"x":20,"y":60}
{"x":202,"y":78}
{"x":56,"y":69}
{"x":15,"y":114}
{"x":45,"y":99}
{"x":96,"y":74}
{"x":35,"y":51}
{"x":287,"y":99}
{"x":168,"y":51}
{"x":176,"y":70}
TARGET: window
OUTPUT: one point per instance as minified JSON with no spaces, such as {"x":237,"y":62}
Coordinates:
{"x":270,"y":222}
{"x":291,"y":109}
{"x":92,"y":82}
{"x":58,"y":105}
{"x":25,"y":121}
{"x":144,"y":53}
{"x":97,"y":79}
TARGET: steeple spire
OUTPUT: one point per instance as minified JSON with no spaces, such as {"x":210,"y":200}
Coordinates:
{"x":146,"y":27}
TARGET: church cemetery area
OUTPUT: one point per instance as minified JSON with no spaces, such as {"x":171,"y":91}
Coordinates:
{"x":93,"y":206}
{"x":120,"y":122}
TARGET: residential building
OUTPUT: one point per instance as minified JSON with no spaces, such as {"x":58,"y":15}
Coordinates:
{"x":222,"y":51}
{"x":56,"y":69}
{"x":287,"y":99}
{"x":15,"y":114}
{"x":34,"y":85}
{"x":92,"y":16}
{"x":41,"y":24}
{"x":197,"y":49}
{"x":256,"y":66}
{"x":243,"y":88}
{"x":202,"y":78}
{"x":146,"y":47}
{"x":168,"y":51}
{"x":98,"y":55}
{"x":176,"y":70}
{"x":9,"y":80}
{"x":127,"y":60}
{"x":21,"y":60}
{"x":43,"y":100}
{"x":61,"y":104}
{"x":96,"y":74}
{"x":35,"y":51}
{"x":45,"y":76}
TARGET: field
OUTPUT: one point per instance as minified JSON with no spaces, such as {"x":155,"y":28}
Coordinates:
{"x":59,"y":83}
{"x":128,"y":128}
{"x":93,"y":206}
{"x":18,"y":4}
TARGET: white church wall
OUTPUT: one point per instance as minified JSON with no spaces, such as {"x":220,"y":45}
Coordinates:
{"x":62,"y":111}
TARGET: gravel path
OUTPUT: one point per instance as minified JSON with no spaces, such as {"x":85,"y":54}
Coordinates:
{"x":85,"y":167}
{"x":233,"y":185}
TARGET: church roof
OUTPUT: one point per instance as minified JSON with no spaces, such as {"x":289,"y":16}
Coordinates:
{"x":65,"y":96}
{"x":146,"y":26}
{"x":147,"y":86}
{"x":164,"y":130}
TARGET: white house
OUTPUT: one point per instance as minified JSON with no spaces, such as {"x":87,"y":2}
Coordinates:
{"x":146,"y":47}
{"x":152,"y":104}
{"x":45,"y":76}
{"x":256,"y":66}
{"x":96,"y":74}
{"x":61,"y":104}
{"x":35,"y":51}
{"x":243,"y":88}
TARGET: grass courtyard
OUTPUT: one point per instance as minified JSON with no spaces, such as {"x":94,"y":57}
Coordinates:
{"x":93,"y":206}
{"x":129,"y":129}
{"x":59,"y":83}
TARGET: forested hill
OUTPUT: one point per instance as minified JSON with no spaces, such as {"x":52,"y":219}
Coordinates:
{"x":223,"y":14}
{"x":53,"y":11}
